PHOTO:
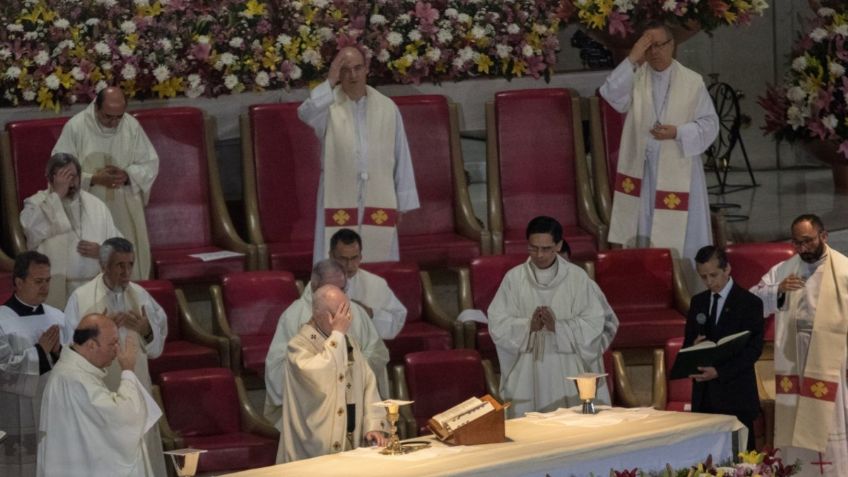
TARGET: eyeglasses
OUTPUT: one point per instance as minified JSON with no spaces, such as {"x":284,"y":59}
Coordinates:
{"x":542,"y":250}
{"x":803,"y":243}
{"x":657,"y":46}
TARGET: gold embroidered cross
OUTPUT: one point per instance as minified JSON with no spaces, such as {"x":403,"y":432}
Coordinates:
{"x":786,"y":384}
{"x":379,"y":217}
{"x":818,"y":389}
{"x":671,"y":201}
{"x":341,"y":217}
{"x":628,"y":185}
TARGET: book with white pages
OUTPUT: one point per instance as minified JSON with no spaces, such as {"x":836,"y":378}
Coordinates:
{"x":473,"y":421}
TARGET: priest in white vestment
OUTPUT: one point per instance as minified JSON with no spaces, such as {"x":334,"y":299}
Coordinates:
{"x":135,"y":312}
{"x":660,"y":198}
{"x":547,"y":322}
{"x":367,"y":180}
{"x":809,"y":296}
{"x":86,"y":429}
{"x":325,"y":272}
{"x":66,"y":224}
{"x":119,"y":165}
{"x":328,"y":389}
{"x":367,"y":290}
{"x":31,"y":337}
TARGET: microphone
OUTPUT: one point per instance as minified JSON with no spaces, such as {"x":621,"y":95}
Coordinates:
{"x":702,"y":320}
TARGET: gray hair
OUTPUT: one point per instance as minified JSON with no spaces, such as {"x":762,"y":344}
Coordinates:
{"x":112,"y":245}
{"x":321,"y":270}
{"x":58,"y":161}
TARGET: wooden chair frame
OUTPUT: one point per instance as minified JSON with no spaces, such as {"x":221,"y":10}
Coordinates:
{"x":587,"y":215}
{"x":6,"y":262}
{"x":193,"y":332}
{"x":433,"y":313}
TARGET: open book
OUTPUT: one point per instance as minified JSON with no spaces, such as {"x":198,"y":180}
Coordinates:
{"x":463,"y":413}
{"x":707,"y":353}
{"x":474,"y":421}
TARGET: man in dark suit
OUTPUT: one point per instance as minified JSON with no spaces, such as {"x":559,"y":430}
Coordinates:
{"x":729,"y":387}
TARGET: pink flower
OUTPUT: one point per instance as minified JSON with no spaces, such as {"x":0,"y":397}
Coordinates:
{"x":426,"y":13}
{"x":843,"y":149}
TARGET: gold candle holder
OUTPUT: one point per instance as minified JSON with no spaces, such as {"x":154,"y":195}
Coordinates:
{"x":587,"y":388}
{"x":394,"y":447}
{"x":190,"y":458}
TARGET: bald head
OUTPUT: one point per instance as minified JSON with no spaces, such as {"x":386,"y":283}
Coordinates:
{"x":109,"y":107}
{"x":96,"y":339}
{"x":354,"y":72}
{"x":328,"y":302}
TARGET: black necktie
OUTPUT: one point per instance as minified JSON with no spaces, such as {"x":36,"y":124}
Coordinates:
{"x":714,"y":310}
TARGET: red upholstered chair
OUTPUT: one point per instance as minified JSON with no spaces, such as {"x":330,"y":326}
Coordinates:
{"x":427,"y":326}
{"x":750,"y":261}
{"x":444,"y":232}
{"x":187,"y":345}
{"x":280,"y":208}
{"x":246,"y":307}
{"x":439,"y":380}
{"x":209,"y":409}
{"x":26,"y":147}
{"x":670,"y":394}
{"x":536,"y":166}
{"x":477,"y":288}
{"x":186,"y":213}
{"x":646,"y":292}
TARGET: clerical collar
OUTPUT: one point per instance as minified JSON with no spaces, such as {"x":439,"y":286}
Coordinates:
{"x":544,"y":276}
{"x":23,"y":309}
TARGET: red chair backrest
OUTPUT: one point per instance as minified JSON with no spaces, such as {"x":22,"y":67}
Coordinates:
{"x":178,"y":213}
{"x":163,"y":292}
{"x":255,"y":300}
{"x":31,"y":143}
{"x":439,"y":380}
{"x":536,"y":152}
{"x":426,"y":119}
{"x":405,"y":281}
{"x":487,"y":273}
{"x":201,"y":402}
{"x":287,"y":160}
{"x":750,"y":261}
{"x":679,"y":390}
{"x":613,"y":123}
{"x":636,"y":279}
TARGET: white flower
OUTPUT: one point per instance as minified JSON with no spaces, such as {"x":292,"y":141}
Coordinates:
{"x":296,"y":72}
{"x":383,"y":56}
{"x":394,"y":38}
{"x":77,"y":73}
{"x":503,"y":50}
{"x":794,"y":117}
{"x":818,"y":34}
{"x":262,"y":79}
{"x":195,"y":91}
{"x":669,"y":5}
{"x":128,"y":72}
{"x":106,"y":66}
{"x":434,"y":54}
{"x":624,"y":5}
{"x":463,"y":18}
{"x":458,"y":63}
{"x":320,"y":3}
{"x":128,"y":27}
{"x":125,"y":49}
{"x":15,"y":27}
{"x":31,"y":35}
{"x":29,"y":95}
{"x":800,"y":63}
{"x":297,"y":5}
{"x":312,"y":57}
{"x":166,"y":45}
{"x":41,"y":58}
{"x":377,"y":19}
{"x":466,"y":54}
{"x":92,"y":21}
{"x":193,"y":80}
{"x":237,"y":42}
{"x":826,"y":12}
{"x":102,"y":48}
{"x":451,"y":13}
{"x":512,"y":29}
{"x":796,"y":94}
{"x":284,"y":40}
{"x":403,"y":19}
{"x":414,"y":35}
{"x":142,"y":3}
{"x":5,"y":53}
{"x":836,"y":69}
{"x":527,"y":51}
{"x":841,"y":30}
{"x":202,"y":40}
{"x":162,"y":73}
{"x":61,"y":23}
{"x":52,"y":82}
{"x":12,"y":73}
{"x":540,"y":29}
{"x":100,"y":86}
{"x":478,"y":32}
{"x":227,"y":58}
{"x":304,"y":30}
{"x":444,"y":36}
{"x":230,"y":81}
{"x":325,"y":33}
{"x":830,"y":122}
{"x":759,"y":6}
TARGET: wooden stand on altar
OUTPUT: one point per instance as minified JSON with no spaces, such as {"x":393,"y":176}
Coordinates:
{"x":487,"y":429}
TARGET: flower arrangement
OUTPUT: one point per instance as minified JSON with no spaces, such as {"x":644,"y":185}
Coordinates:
{"x":751,"y":464}
{"x":619,"y":17}
{"x":810,"y":103}
{"x":55,"y":53}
